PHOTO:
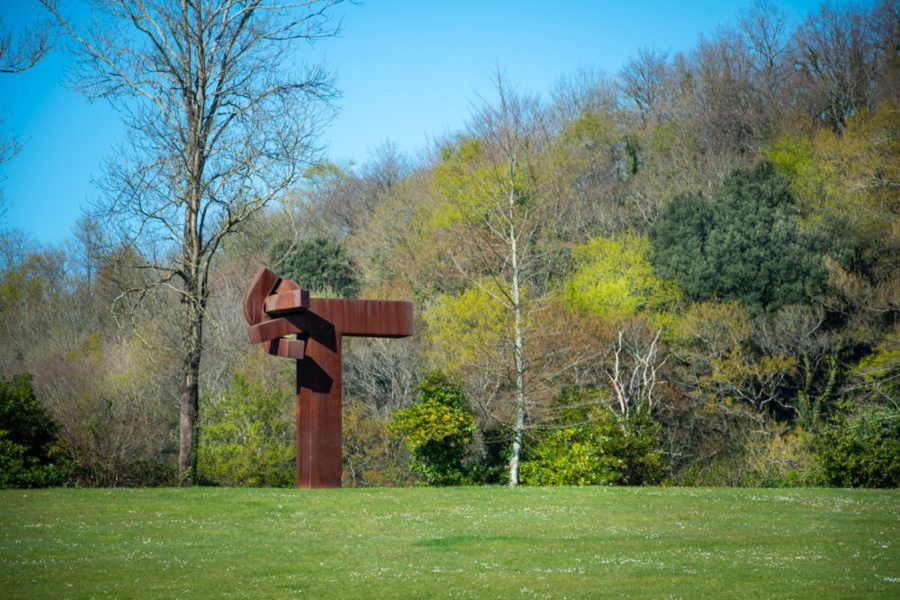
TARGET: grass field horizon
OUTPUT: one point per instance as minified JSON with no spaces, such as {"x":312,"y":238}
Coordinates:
{"x":450,"y":542}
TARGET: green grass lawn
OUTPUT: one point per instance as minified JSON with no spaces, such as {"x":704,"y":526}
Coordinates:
{"x":448,"y":543}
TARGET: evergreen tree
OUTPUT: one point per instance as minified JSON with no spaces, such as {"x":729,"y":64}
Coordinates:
{"x":27,"y":434}
{"x":316,"y":264}
{"x":744,"y":243}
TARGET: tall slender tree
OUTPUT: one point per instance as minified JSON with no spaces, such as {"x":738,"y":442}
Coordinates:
{"x":220,"y":120}
{"x":493,"y":187}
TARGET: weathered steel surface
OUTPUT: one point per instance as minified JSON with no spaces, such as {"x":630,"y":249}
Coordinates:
{"x":286,"y":348}
{"x":275,"y":308}
{"x":261,"y":286}
{"x":364,"y":318}
{"x":369,"y":318}
{"x":272,"y":329}
{"x":319,"y":413}
{"x":286,"y":303}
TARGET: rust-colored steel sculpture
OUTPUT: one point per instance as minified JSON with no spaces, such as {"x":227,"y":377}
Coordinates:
{"x":275,"y":308}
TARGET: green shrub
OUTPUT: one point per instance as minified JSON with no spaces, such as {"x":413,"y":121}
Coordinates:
{"x":27,"y":436}
{"x":642,"y":461}
{"x":862,"y":450}
{"x":576,"y":455}
{"x":719,"y":472}
{"x":593,"y":445}
{"x":437,"y":430}
{"x":247,"y":437}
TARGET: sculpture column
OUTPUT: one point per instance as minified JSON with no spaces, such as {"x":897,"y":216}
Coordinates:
{"x":319,"y":394}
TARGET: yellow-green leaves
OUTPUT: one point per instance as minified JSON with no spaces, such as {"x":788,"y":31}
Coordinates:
{"x":477,"y":189}
{"x":247,"y":436}
{"x":881,"y":369}
{"x":789,"y":153}
{"x":713,"y":327}
{"x":467,"y":328}
{"x":613,"y":277}
{"x":431,"y":421}
{"x":737,"y":377}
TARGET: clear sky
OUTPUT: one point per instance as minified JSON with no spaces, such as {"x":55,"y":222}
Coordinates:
{"x":409,"y":70}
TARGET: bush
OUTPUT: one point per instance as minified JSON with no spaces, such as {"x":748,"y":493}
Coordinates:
{"x":759,"y":452}
{"x":437,"y":431}
{"x":372,"y":457}
{"x":27,"y":436}
{"x":577,"y":455}
{"x":594,"y":446}
{"x":862,"y":450}
{"x":642,"y":462}
{"x":247,"y":437}
{"x":782,"y":457}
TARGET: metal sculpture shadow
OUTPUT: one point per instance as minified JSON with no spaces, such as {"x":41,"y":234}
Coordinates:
{"x":276,"y":308}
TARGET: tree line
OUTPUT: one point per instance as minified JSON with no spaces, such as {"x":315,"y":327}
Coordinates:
{"x":684,"y":272}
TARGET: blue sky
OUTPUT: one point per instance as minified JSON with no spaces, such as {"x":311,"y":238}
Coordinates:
{"x":409,"y":70}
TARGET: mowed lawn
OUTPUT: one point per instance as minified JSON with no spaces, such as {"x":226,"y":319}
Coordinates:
{"x":450,"y":543}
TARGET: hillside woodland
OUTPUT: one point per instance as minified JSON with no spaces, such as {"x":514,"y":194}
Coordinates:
{"x":686,"y":272}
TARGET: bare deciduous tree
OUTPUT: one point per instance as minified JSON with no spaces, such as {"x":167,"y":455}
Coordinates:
{"x":585,"y":91}
{"x":838,"y":60}
{"x":886,"y":24}
{"x":24,"y":51}
{"x":764,"y":29}
{"x":645,"y":82}
{"x":218,"y":126}
{"x":382,"y":374}
{"x":635,"y":391}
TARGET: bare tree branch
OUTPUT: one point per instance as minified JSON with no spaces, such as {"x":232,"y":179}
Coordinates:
{"x":24,"y":51}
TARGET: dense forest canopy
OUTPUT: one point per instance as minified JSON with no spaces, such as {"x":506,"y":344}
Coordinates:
{"x":685,"y":271}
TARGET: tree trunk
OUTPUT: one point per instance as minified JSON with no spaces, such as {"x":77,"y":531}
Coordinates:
{"x":193,"y":301}
{"x":519,"y":348}
{"x":520,"y":403}
{"x":192,"y":341}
